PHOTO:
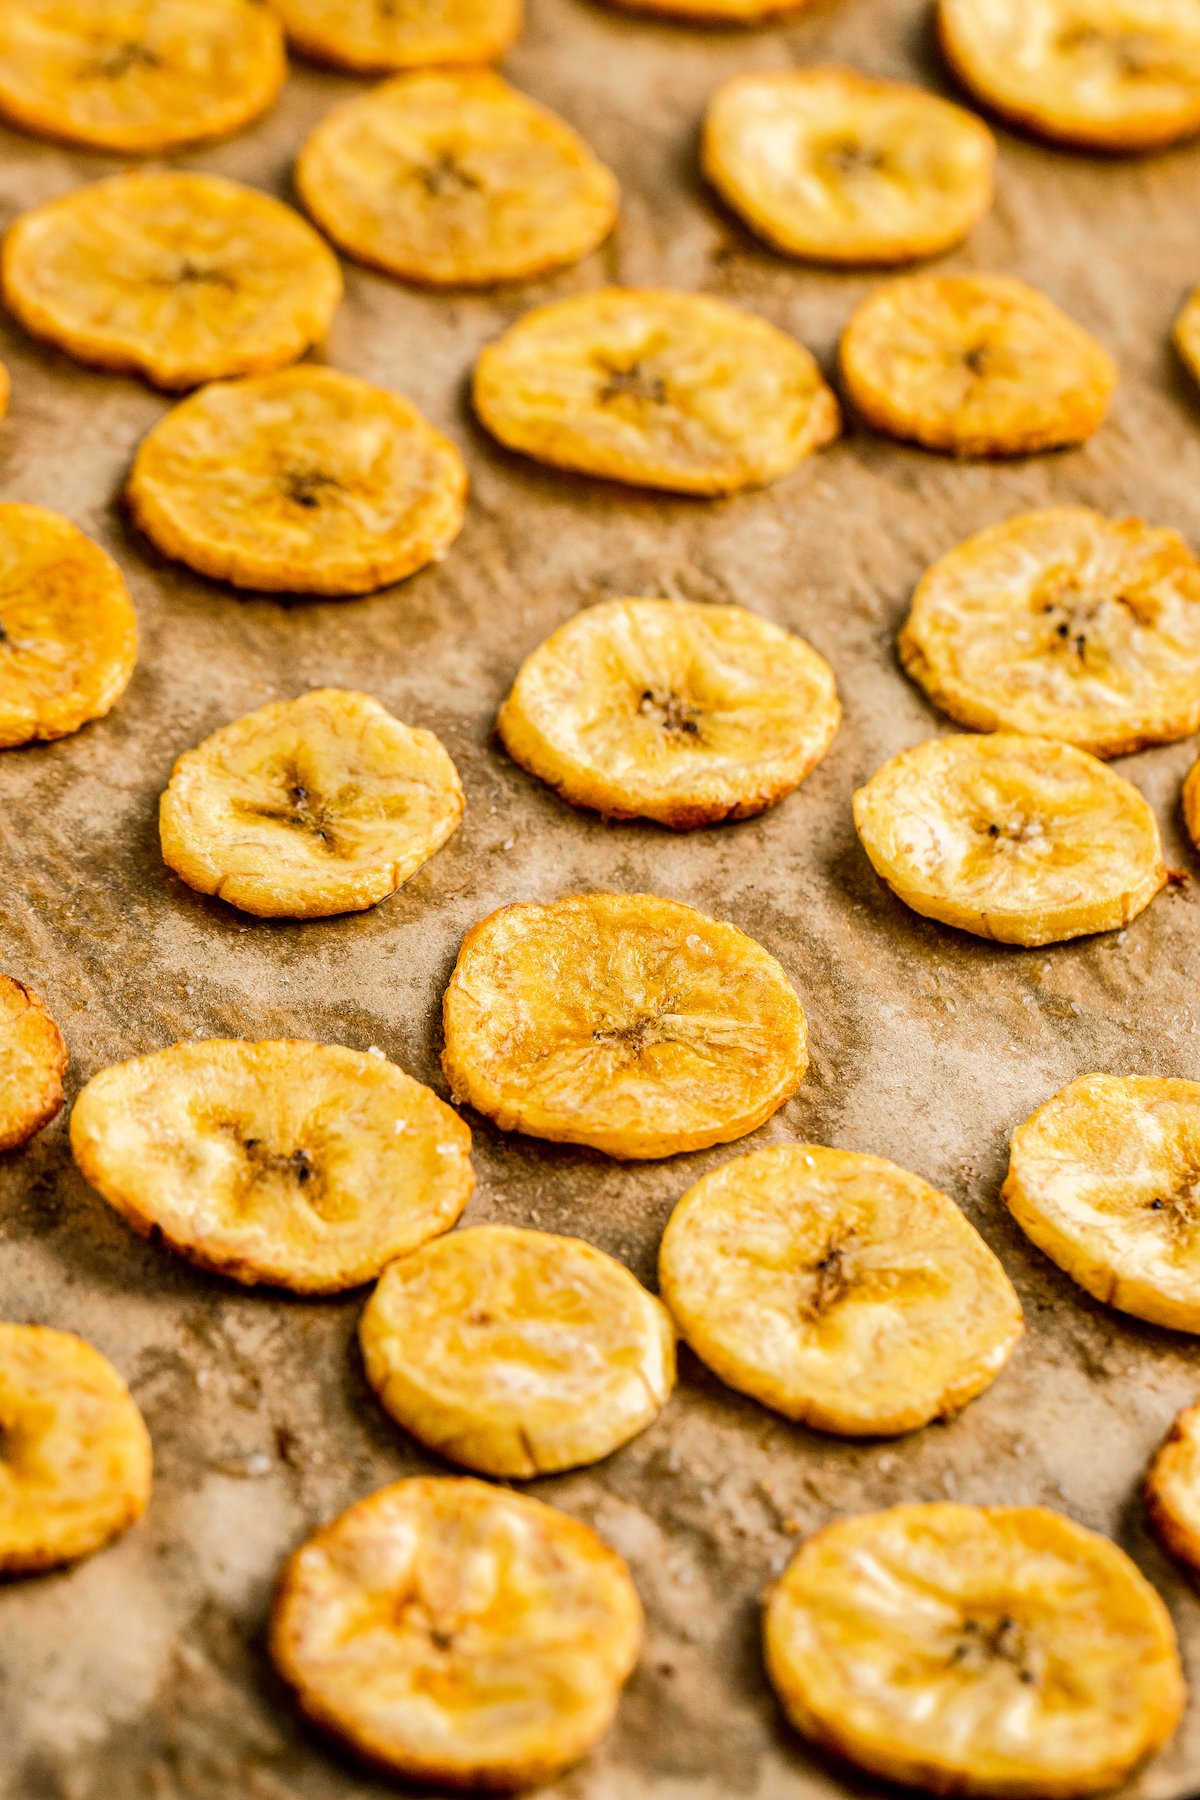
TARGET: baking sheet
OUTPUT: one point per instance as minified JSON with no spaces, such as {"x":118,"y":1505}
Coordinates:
{"x":142,"y":1672}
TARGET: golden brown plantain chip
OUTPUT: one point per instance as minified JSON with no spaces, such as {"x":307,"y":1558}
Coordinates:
{"x":455,"y":1633}
{"x":306,"y":481}
{"x":304,"y":1166}
{"x":455,"y":178}
{"x":137,"y":76}
{"x":33,"y":1060}
{"x":1172,"y":1489}
{"x":178,"y":277}
{"x":380,"y":37}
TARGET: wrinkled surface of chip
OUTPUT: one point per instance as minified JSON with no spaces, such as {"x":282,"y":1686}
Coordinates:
{"x":1105,"y":1178}
{"x":456,"y":1633}
{"x":309,"y":807}
{"x":455,"y":178}
{"x":633,"y":1024}
{"x":305,"y":1166}
{"x":1172,"y":1491}
{"x":378,"y":37}
{"x":68,"y":631}
{"x":838,"y":1289}
{"x":178,"y":277}
{"x":1102,"y":74}
{"x":976,"y":365}
{"x":75,"y":1467}
{"x":1065,"y":624}
{"x":655,"y":388}
{"x":306,"y":481}
{"x":137,"y":75}
{"x":517,"y":1353}
{"x":832,"y":166}
{"x":997,"y":1651}
{"x":669,"y":710}
{"x":33,"y":1060}
{"x":1016,"y":838}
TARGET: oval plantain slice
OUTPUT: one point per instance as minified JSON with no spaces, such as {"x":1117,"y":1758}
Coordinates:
{"x":1120,"y":75}
{"x":838,"y":1289}
{"x":33,"y":1060}
{"x":517,"y":1353}
{"x":454,"y":178}
{"x":655,"y":388}
{"x":1065,"y":624}
{"x":1172,"y":1490}
{"x":75,"y":1459}
{"x":1186,"y":334}
{"x":1015,"y":838}
{"x":309,"y":807}
{"x":305,"y":481}
{"x":999,"y":1651}
{"x":832,"y":166}
{"x":304,"y":1166}
{"x":975,"y":365}
{"x":1105,"y":1179}
{"x":68,"y":631}
{"x":178,"y":277}
{"x":668,"y":710}
{"x":380,"y":37}
{"x":137,"y":76}
{"x":633,"y":1024}
{"x":455,"y":1633}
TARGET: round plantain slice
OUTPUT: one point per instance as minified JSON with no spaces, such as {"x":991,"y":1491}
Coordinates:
{"x":831,"y":166}
{"x":668,"y":710}
{"x":1065,"y":624}
{"x":974,"y":365}
{"x":309,"y":807}
{"x":1105,"y":1179}
{"x":452,"y":1632}
{"x":1172,"y":1490}
{"x":178,"y":277}
{"x":380,"y":37}
{"x":999,"y":1651}
{"x":137,"y":76}
{"x":1118,"y":75}
{"x":305,"y":481}
{"x":68,"y":631}
{"x":838,"y":1289}
{"x":305,"y":1166}
{"x":655,"y":388}
{"x":455,"y":178}
{"x":1015,"y":838}
{"x":517,"y":1353}
{"x":33,"y":1060}
{"x":75,"y":1459}
{"x":633,"y":1024}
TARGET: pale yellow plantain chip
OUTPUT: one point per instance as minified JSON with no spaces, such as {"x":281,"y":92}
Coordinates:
{"x":455,"y":178}
{"x":304,"y":1166}
{"x":306,"y":481}
{"x":1119,"y":75}
{"x":517,"y":1353}
{"x":1016,"y":838}
{"x":1105,"y":1179}
{"x":33,"y":1060}
{"x":999,"y":1651}
{"x":378,"y":37}
{"x":137,"y":75}
{"x":68,"y":631}
{"x":667,"y":710}
{"x":178,"y":277}
{"x":1064,"y":624}
{"x":452,"y":1632}
{"x":975,"y":365}
{"x":655,"y":388}
{"x":1172,"y":1490}
{"x":838,"y":1289}
{"x":309,"y":807}
{"x":75,"y":1467}
{"x":832,"y":166}
{"x":633,"y":1024}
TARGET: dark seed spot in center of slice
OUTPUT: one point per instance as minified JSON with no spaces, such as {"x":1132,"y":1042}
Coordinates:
{"x":994,"y":1640}
{"x":633,"y":383}
{"x":670,"y":711}
{"x":446,"y":175}
{"x":307,"y":487}
{"x":854,"y":158}
{"x":117,"y":61}
{"x":978,"y":359}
